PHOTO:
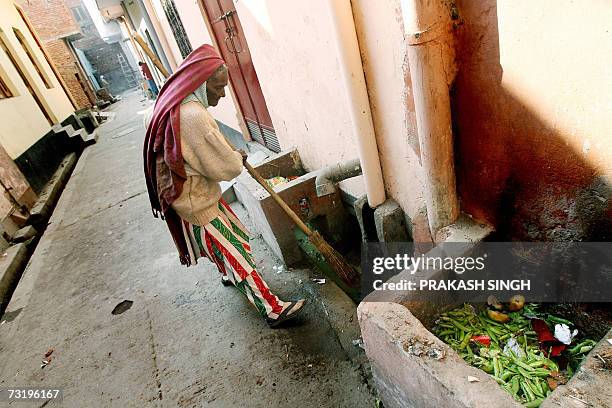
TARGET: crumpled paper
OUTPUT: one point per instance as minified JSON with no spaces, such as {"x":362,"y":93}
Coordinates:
{"x":564,"y":334}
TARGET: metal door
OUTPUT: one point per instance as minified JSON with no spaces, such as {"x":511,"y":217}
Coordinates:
{"x":233,"y":47}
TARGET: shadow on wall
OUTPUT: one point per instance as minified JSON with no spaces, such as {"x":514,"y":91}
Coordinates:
{"x":513,"y":168}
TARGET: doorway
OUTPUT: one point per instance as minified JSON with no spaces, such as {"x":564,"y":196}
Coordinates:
{"x":234,"y":49}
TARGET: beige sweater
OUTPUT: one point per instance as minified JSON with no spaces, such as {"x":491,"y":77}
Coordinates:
{"x":208,"y":160}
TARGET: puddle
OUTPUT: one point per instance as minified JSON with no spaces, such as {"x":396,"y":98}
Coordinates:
{"x":122,"y":307}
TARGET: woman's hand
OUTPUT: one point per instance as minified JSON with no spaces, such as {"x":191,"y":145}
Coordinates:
{"x":244,"y":155}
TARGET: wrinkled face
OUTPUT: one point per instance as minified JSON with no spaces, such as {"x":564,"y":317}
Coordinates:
{"x":215,"y":86}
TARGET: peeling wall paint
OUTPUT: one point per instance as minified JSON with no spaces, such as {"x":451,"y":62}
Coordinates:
{"x":531,"y":105}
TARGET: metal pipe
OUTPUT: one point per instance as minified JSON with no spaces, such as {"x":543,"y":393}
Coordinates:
{"x":428,"y":32}
{"x":328,"y":177}
{"x":351,"y":70}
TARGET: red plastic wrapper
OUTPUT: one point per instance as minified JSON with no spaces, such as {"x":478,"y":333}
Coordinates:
{"x":484,"y":340}
{"x":546,"y":338}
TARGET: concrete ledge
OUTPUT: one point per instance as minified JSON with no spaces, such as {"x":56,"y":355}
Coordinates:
{"x":413,"y":368}
{"x":24,"y":234}
{"x":590,"y":383}
{"x":48,"y":197}
{"x":12,"y":264}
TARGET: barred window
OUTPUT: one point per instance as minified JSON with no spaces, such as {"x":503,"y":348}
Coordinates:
{"x":177,"y":27}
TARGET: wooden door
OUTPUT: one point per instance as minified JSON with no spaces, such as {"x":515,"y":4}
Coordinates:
{"x":234,"y":49}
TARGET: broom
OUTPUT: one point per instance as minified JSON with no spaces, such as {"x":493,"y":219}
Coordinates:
{"x":337,"y":262}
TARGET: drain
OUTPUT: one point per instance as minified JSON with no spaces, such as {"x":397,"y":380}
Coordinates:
{"x":122,"y":307}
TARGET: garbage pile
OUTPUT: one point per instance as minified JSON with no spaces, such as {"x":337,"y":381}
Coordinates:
{"x":278,"y":180}
{"x":527,"y":351}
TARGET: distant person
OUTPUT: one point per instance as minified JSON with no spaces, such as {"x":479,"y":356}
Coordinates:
{"x":186,"y":157}
{"x":146,"y":72}
{"x":104,"y":82}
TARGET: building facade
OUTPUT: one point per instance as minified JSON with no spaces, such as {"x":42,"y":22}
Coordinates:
{"x":55,"y":26}
{"x":32,"y":100}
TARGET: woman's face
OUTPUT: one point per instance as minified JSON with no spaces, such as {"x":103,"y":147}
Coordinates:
{"x":215,"y":86}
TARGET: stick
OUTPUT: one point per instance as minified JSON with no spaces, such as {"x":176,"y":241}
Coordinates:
{"x":151,"y":55}
{"x":278,"y":200}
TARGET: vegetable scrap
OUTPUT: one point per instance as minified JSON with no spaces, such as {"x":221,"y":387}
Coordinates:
{"x":278,"y":180}
{"x":514,"y":343}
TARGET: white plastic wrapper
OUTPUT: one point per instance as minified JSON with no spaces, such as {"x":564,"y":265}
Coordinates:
{"x":564,"y":334}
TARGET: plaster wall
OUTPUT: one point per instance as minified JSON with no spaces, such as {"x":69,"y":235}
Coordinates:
{"x":23,"y":123}
{"x":197,"y":31}
{"x":532,"y":103}
{"x":293,"y":50}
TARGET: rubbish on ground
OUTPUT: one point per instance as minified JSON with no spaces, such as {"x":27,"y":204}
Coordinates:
{"x":473,"y":379}
{"x":513,"y":347}
{"x":516,"y":303}
{"x":279,"y":268}
{"x":579,"y":400}
{"x":498,"y":316}
{"x":45,"y":363}
{"x":122,"y":307}
{"x":484,"y":340}
{"x":319,"y":281}
{"x":522,"y":356}
{"x":609,"y":341}
{"x":494,"y":303}
{"x":564,"y":334}
{"x":278,"y":180}
{"x":358,"y":342}
{"x":309,"y":365}
{"x":49,"y":352}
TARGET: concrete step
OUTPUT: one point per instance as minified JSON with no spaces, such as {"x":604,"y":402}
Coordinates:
{"x":91,"y":138}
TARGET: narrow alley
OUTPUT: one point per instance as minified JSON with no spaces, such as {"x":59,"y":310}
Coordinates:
{"x":186,"y":340}
{"x":419,"y":203}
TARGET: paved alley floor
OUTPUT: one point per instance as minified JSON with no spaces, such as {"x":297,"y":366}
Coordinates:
{"x":186,"y":341}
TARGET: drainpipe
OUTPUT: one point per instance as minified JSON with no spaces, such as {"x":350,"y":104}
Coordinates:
{"x":327,"y":178}
{"x":351,"y":71}
{"x":428,"y":31}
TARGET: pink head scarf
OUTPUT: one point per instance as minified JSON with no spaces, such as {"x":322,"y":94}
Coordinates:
{"x":163,"y":161}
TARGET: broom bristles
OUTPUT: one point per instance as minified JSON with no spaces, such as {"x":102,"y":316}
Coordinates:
{"x":337,"y":262}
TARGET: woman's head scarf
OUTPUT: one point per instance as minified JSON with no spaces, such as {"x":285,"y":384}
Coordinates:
{"x":163,"y":161}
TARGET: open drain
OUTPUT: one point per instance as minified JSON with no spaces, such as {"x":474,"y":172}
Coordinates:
{"x":122,"y":307}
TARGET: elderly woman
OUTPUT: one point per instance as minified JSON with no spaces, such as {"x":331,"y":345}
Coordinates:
{"x":186,"y":157}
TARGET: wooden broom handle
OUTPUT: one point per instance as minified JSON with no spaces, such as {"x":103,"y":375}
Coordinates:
{"x":278,"y":199}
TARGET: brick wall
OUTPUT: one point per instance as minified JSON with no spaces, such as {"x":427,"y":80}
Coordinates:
{"x":53,"y":21}
{"x":103,"y":57}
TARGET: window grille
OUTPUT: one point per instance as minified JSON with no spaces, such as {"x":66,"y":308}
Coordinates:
{"x":177,"y":27}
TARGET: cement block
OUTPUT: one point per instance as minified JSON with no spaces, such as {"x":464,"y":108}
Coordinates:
{"x":327,"y":213}
{"x":91,"y":138}
{"x":50,"y":193}
{"x":88,"y":119}
{"x":24,"y":234}
{"x":413,"y":368}
{"x":390,"y":222}
{"x":365,"y":218}
{"x":12,"y":264}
